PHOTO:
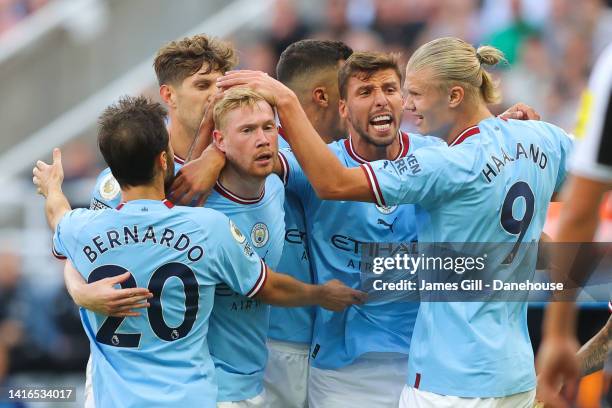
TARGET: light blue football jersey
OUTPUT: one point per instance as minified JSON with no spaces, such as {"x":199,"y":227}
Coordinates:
{"x":293,"y":324}
{"x":239,"y":325}
{"x":107,"y":192}
{"x":335,"y":231}
{"x":492,"y":185}
{"x":160,"y":358}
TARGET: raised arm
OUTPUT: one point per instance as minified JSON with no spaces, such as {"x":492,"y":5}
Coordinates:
{"x":284,"y":290}
{"x":330,"y":179}
{"x":48,"y":179}
{"x":196,"y":178}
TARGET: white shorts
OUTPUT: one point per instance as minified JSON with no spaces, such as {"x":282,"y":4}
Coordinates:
{"x":89,"y":397}
{"x":286,"y":377}
{"x":258,"y":401}
{"x":373,"y":380}
{"x":413,"y":398}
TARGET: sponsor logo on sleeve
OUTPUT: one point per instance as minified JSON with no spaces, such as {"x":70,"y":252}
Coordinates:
{"x":236,"y":233}
{"x":109,"y":187}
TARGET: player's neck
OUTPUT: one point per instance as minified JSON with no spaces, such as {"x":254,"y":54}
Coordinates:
{"x":181,"y":138}
{"x":317,"y":118}
{"x":243,"y":186}
{"x":153,"y":191}
{"x":372,"y":152}
{"x":469,"y":117}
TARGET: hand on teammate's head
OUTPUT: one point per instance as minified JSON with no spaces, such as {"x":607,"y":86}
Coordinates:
{"x":271,"y":89}
{"x":48,"y":176}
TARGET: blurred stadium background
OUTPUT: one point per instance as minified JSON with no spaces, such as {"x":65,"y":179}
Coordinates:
{"x":63,"y":61}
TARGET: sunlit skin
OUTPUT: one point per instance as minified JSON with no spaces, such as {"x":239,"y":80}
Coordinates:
{"x":439,"y":111}
{"x":187,"y":102}
{"x":319,"y":96}
{"x":427,"y":103}
{"x":248,"y":137}
{"x":367,"y":101}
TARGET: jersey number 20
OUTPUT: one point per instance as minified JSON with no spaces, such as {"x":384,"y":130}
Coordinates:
{"x":108,"y":331}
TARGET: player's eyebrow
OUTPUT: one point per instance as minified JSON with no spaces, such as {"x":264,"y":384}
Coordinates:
{"x":367,"y":87}
{"x":202,"y":81}
{"x":390,"y":83}
{"x":256,"y":124}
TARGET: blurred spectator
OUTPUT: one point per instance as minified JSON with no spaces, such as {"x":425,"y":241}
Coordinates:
{"x":13,"y":11}
{"x":286,"y":27}
{"x":510,"y":38}
{"x":529,"y":81}
{"x":457,"y":18}
{"x":258,"y":55}
{"x":336,"y":18}
{"x":364,"y":40}
{"x":399,"y":22}
{"x":39,"y":330}
{"x":498,"y":13}
{"x":598,"y":17}
{"x":80,"y":160}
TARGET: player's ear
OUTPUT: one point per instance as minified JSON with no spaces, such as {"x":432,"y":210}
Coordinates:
{"x":343,"y":109}
{"x":162,"y":160}
{"x":455,"y":96}
{"x":320,"y":97}
{"x":219,"y":139}
{"x":168,"y":95}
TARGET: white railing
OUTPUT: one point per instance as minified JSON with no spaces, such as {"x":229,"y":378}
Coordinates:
{"x":68,"y":13}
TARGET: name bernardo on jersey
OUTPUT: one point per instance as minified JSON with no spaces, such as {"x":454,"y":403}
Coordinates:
{"x":130,"y":235}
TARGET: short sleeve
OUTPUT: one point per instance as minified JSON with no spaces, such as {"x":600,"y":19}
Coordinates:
{"x":234,"y":261}
{"x":424,"y":177}
{"x":293,"y":176}
{"x":106,"y":193}
{"x":64,"y":238}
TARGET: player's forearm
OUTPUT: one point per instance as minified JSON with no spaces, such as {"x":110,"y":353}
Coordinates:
{"x":593,"y":354}
{"x":56,"y":205}
{"x":202,"y":141}
{"x":74,"y":282}
{"x":284,"y":290}
{"x":329,"y":178}
{"x":560,"y":319}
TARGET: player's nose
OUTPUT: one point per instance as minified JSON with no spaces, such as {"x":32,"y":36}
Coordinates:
{"x":408,"y":104}
{"x":380,"y":99}
{"x":261,"y":138}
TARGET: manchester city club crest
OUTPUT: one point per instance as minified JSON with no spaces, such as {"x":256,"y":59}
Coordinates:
{"x":259,"y":234}
{"x":236,"y":233}
{"x":109,"y":187}
{"x":386,"y":209}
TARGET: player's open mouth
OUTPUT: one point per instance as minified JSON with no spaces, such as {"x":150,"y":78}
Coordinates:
{"x":382,"y":123}
{"x":263,"y":158}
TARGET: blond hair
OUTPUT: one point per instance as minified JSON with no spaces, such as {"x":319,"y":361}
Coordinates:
{"x":455,"y":62}
{"x":235,"y":98}
{"x":177,"y":60}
